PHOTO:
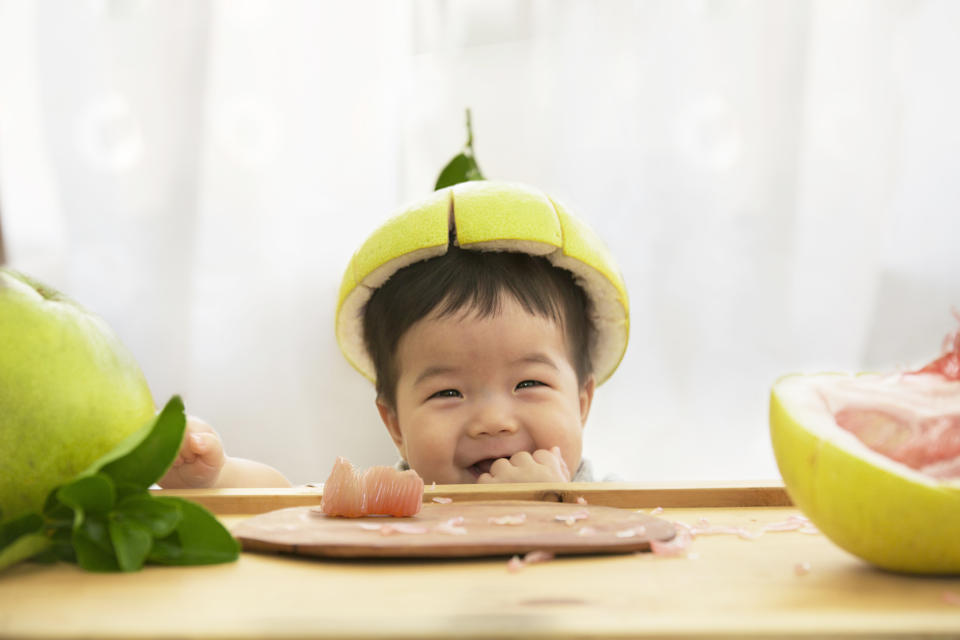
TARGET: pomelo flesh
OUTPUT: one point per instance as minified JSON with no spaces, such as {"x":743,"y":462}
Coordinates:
{"x":350,"y":493}
{"x":928,"y":444}
{"x":874,"y":461}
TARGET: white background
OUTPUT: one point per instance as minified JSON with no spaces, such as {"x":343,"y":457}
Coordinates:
{"x":779,"y":181}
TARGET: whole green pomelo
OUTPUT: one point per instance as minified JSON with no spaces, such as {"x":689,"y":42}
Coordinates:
{"x":69,"y":391}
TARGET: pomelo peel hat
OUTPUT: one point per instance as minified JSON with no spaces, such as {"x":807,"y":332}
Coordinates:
{"x":487,"y":216}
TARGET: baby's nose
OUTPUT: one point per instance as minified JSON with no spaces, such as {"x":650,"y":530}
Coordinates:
{"x":493,"y":418}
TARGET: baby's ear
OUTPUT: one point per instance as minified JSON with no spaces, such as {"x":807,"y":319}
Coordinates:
{"x":389,"y":416}
{"x":586,"y":398}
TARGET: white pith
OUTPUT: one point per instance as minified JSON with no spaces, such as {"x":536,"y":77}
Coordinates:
{"x":350,"y":333}
{"x":813,"y":400}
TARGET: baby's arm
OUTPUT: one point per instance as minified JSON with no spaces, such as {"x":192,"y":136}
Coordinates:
{"x":540,"y":466}
{"x":203,"y":464}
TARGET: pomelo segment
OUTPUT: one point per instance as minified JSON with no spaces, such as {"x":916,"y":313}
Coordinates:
{"x":487,"y":215}
{"x":497,"y":216}
{"x":348,"y":493}
{"x":837,"y":438}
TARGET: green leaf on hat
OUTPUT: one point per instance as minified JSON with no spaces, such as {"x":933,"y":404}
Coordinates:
{"x":463,"y":167}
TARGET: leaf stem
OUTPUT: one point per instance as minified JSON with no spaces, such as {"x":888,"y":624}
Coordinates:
{"x":23,"y":548}
{"x":469,"y":145}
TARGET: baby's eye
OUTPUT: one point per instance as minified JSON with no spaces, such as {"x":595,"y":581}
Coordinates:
{"x":526,"y":384}
{"x":447,"y":393}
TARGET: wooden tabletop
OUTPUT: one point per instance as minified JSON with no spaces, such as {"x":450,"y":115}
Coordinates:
{"x":788,"y":584}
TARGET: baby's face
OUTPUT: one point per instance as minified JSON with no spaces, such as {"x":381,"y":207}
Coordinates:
{"x":471,"y":390}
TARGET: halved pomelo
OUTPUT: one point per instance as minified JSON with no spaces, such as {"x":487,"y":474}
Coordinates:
{"x":487,"y":216}
{"x":874,"y":461}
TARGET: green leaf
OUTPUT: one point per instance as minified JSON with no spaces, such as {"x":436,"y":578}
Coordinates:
{"x":46,"y":556}
{"x":89,"y":494}
{"x":56,"y":513}
{"x":166,"y":550}
{"x":21,"y":538}
{"x":52,"y":505}
{"x":127,"y":489}
{"x":160,"y":518}
{"x":463,"y":167}
{"x":23,"y":525}
{"x":62,"y":548}
{"x":131,"y":541}
{"x":93,"y":547}
{"x":201,"y":538}
{"x":123,"y":448}
{"x":148,"y":460}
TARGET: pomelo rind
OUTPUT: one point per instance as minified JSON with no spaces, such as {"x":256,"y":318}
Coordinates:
{"x":876,"y":508}
{"x":487,"y":216}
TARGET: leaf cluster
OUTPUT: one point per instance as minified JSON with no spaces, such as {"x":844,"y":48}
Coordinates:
{"x":107,"y":520}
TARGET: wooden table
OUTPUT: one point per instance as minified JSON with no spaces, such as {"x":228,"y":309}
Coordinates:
{"x":726,"y":587}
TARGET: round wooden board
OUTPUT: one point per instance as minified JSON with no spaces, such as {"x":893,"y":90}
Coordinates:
{"x":437,"y":531}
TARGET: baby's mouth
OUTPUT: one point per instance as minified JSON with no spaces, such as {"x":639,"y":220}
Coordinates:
{"x":481,"y":467}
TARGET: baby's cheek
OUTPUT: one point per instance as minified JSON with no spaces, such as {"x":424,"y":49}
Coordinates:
{"x":571,"y":454}
{"x":431,"y":458}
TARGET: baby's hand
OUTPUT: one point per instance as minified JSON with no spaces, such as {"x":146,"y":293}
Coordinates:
{"x":540,"y":466}
{"x":200,"y":459}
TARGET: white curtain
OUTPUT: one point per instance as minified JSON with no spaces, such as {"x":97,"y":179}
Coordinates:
{"x":779,"y":181}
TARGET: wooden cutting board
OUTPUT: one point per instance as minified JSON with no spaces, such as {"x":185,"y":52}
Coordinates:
{"x":456,"y":530}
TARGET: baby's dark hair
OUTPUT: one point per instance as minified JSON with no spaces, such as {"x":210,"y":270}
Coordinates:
{"x":476,"y":280}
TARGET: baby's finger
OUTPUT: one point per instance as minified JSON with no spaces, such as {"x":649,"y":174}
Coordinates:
{"x":546,"y":458}
{"x":206,"y":447}
{"x":520,"y":459}
{"x":563,"y":463}
{"x":501,"y":466}
{"x":200,"y":442}
{"x":196,"y":425}
{"x":190,"y":450}
{"x":552,"y":461}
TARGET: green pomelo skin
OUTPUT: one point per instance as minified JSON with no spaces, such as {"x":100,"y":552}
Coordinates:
{"x":69,"y":392}
{"x":890,"y":520}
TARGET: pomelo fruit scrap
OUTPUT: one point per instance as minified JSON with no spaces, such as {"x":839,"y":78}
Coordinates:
{"x":873,"y":460}
{"x":69,"y":391}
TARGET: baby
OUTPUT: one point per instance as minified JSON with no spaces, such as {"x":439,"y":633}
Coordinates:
{"x":484,"y":371}
{"x":483,"y":367}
